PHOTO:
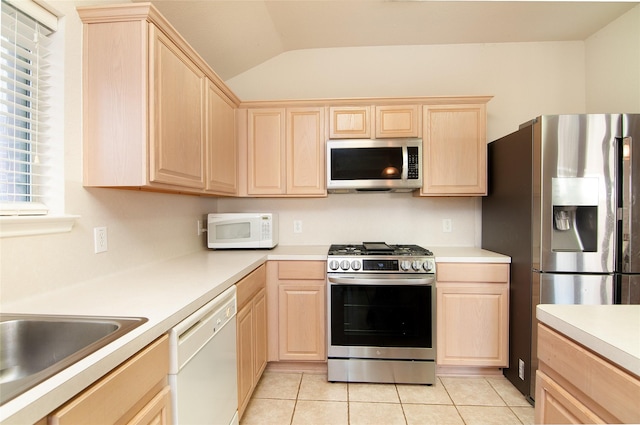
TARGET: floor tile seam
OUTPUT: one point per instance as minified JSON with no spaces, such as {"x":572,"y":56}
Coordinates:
{"x":479,"y":405}
{"x":295,"y":403}
{"x":515,"y":414}
{"x":500,"y":395}
{"x":426,"y":404}
{"x":404,"y":414}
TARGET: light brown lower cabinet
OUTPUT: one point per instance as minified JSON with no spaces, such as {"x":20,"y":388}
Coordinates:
{"x":251,"y":334}
{"x":297,"y":310}
{"x":472,"y":314}
{"x":576,"y":386}
{"x":136,"y":392}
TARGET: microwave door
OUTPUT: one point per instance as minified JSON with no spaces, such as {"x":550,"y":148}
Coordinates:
{"x":236,"y":231}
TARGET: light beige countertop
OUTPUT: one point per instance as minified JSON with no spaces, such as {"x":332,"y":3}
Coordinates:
{"x":453,"y":254}
{"x":165,"y":293}
{"x":612,"y":331}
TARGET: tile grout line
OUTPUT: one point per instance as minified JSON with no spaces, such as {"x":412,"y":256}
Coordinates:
{"x":505,"y":402}
{"x":452,"y":401}
{"x":295,"y":402}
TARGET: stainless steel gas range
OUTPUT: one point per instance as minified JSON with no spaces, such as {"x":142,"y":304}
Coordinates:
{"x":381,"y":313}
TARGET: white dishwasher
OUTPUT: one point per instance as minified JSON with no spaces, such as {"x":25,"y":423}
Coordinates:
{"x":202,"y":371}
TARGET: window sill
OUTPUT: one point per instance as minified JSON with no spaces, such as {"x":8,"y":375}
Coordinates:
{"x":11,"y":226}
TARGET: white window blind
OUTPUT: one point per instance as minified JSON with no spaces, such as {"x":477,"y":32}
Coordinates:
{"x":25,"y":172}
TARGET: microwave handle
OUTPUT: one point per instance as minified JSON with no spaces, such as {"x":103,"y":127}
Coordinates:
{"x":405,"y":163}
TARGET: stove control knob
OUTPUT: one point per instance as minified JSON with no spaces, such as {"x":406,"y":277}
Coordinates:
{"x":334,"y":264}
{"x":416,"y":265}
{"x":405,"y":265}
{"x":355,"y":265}
{"x":428,"y":266}
{"x":344,"y":265}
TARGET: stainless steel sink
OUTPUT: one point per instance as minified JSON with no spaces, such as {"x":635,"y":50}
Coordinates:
{"x":35,"y":347}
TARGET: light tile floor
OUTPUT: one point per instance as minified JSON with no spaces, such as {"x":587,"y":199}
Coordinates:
{"x":304,"y":398}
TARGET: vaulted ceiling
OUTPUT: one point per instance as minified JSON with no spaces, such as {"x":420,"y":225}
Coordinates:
{"x":236,"y":35}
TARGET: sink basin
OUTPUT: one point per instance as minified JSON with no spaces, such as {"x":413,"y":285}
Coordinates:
{"x":35,"y":347}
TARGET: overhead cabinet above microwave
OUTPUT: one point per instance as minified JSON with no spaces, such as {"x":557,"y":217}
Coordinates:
{"x":389,"y":121}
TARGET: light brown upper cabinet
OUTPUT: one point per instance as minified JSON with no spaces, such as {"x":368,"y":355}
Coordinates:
{"x":148,"y":106}
{"x":177,"y":107}
{"x":222,"y":153}
{"x":306,"y":151}
{"x":285,"y":150}
{"x":266,"y":155}
{"x":397,"y":121}
{"x":349,"y":122}
{"x":454,"y":150}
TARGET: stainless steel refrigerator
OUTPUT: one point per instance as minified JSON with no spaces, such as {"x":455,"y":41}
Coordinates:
{"x":563,"y":204}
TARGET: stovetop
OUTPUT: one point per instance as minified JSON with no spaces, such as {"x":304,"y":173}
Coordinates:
{"x":380,"y":258}
{"x":378,"y":248}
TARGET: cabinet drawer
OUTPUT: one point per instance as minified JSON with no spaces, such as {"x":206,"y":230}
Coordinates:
{"x":250,"y":285}
{"x":602,"y":382}
{"x":472,"y":272}
{"x":302,"y":270}
{"x":121,"y":394}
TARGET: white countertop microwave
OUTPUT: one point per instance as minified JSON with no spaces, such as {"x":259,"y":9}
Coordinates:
{"x":242,"y":230}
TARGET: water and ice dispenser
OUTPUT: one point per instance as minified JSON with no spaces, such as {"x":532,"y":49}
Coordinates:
{"x":575,"y":214}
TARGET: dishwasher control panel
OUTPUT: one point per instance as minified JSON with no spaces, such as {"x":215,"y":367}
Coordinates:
{"x":194,"y":332}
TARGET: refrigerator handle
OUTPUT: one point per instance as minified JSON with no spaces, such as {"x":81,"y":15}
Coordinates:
{"x":625,"y":205}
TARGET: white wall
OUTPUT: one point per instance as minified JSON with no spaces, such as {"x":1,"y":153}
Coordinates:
{"x":526,"y":79}
{"x":613,"y":66}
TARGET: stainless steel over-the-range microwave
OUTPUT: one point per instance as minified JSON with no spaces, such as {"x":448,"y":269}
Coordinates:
{"x":393,"y":165}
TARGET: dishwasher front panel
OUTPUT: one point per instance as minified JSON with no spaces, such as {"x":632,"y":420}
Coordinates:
{"x":203,"y":371}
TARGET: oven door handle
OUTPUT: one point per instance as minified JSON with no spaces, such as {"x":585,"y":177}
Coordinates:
{"x":421,"y":281}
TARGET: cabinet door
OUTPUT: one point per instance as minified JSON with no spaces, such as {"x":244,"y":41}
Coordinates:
{"x":245,"y":356}
{"x":260,"y":334}
{"x":222,"y":155}
{"x":302,"y":322}
{"x":472,"y":325}
{"x":397,"y":121}
{"x":177,"y":106}
{"x":157,"y":411}
{"x":350,"y":122}
{"x":121,"y":395}
{"x":555,"y":405}
{"x":305,"y":151}
{"x":266,"y":152}
{"x":454,"y":150}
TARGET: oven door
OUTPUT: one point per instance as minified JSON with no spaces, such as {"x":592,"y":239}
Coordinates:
{"x":381,"y":317}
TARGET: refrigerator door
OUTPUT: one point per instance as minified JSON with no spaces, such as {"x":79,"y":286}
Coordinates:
{"x":629,"y":289}
{"x":576,"y":289}
{"x":577,"y":199}
{"x":629,"y":260}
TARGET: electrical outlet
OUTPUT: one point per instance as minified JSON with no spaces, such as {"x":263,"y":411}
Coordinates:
{"x":200,"y":229}
{"x":521,"y":369}
{"x":99,"y":239}
{"x":446,"y":225}
{"x":297,"y":226}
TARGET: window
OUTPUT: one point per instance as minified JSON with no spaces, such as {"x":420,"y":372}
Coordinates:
{"x":24,"y":155}
{"x":31,"y":145}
